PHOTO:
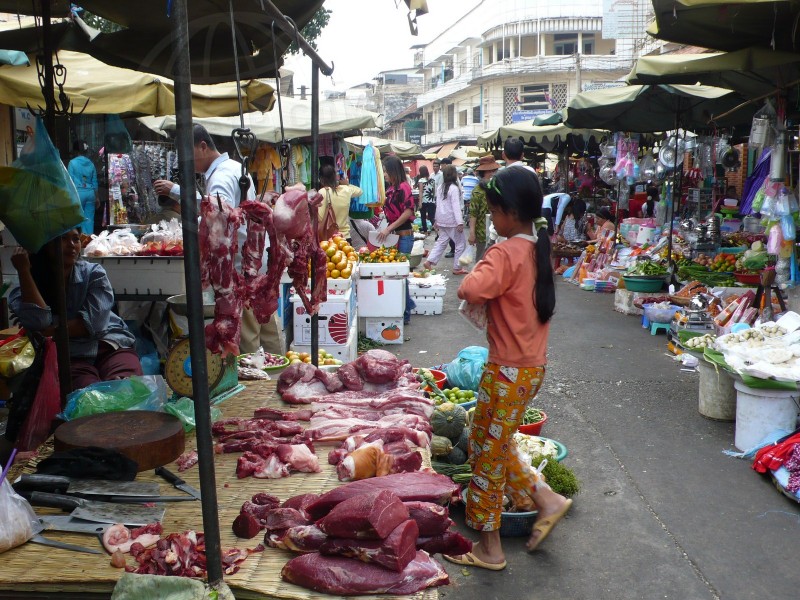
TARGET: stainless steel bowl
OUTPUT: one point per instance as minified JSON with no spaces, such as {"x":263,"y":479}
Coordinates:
{"x":178,"y":304}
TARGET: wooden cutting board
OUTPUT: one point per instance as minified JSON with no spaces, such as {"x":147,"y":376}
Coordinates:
{"x":152,"y":439}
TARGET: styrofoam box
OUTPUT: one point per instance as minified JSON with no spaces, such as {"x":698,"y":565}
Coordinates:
{"x":381,"y":297}
{"x":144,"y":275}
{"x":428,"y":305}
{"x":344,"y":352}
{"x":336,"y":317}
{"x":383,"y":269}
{"x":426,"y":291}
{"x":387,"y":330}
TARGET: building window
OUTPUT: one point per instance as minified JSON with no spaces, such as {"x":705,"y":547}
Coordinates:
{"x":534,"y":97}
{"x":558,"y":96}
{"x":565,"y":44}
{"x":462,"y":117}
{"x":476,"y":114}
{"x":451,"y":116}
{"x":510,"y":99}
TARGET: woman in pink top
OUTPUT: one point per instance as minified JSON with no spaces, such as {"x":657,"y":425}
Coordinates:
{"x":449,"y":221}
{"x":515,"y":283}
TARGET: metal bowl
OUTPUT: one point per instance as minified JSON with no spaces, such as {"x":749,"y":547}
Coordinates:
{"x":178,"y":304}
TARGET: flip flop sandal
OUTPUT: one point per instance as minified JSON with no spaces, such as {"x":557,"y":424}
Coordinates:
{"x":546,"y":525}
{"x":470,"y":560}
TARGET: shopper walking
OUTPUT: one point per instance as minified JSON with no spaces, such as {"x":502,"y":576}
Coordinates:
{"x":478,"y":208}
{"x":336,"y":196}
{"x":449,"y":221}
{"x":427,"y":194}
{"x":515,"y":283}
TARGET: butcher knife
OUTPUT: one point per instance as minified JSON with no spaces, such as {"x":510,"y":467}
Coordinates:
{"x":40,"y":539}
{"x":58,"y":485}
{"x":99,"y":512}
{"x":67,"y":524}
{"x":178,"y":482}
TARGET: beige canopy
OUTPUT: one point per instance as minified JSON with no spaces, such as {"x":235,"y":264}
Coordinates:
{"x":400,"y":149}
{"x":112,"y":90}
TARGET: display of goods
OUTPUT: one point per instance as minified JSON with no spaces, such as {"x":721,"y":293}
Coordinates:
{"x":703,"y":275}
{"x":566,"y":250}
{"x":449,"y":420}
{"x":700,"y":342}
{"x":647,"y":268}
{"x":743,"y":238}
{"x":704,"y":260}
{"x":632,"y":284}
{"x":458,"y":396}
{"x":723,"y":263}
{"x":341,"y":255}
{"x":690,"y":289}
{"x":383,"y":255}
{"x":325,"y":358}
{"x":748,"y":278}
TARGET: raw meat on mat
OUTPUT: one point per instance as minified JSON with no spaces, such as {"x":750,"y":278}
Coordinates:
{"x":426,"y":487}
{"x":394,"y":552}
{"x":367,"y":516}
{"x":251,"y":464}
{"x":450,"y":543}
{"x":432,"y":519}
{"x":304,"y":538}
{"x":283,"y":518}
{"x":299,"y":457}
{"x":347,"y":577}
{"x":246,"y":526}
{"x":331,"y":430}
{"x":119,"y":537}
{"x":300,"y":503}
{"x":380,"y":366}
{"x":187,"y":460}
{"x":275,"y":414}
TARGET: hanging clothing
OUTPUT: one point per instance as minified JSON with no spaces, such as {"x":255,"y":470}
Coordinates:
{"x":754,"y":181}
{"x":84,"y":176}
{"x":265,"y":163}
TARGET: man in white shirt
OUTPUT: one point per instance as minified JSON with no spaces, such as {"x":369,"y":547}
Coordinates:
{"x":222,"y":177}
{"x":512,"y":154}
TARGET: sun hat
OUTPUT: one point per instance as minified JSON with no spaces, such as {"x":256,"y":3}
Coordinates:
{"x":487,"y":163}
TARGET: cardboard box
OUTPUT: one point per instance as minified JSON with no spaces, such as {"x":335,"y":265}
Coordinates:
{"x":144,"y":275}
{"x":344,"y":352}
{"x":387,"y":330}
{"x":428,"y":305}
{"x":336,"y":317}
{"x":381,"y":297}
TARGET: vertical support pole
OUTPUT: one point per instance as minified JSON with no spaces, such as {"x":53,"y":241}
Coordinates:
{"x":191,"y":252}
{"x":314,"y":212}
{"x":62,"y":336}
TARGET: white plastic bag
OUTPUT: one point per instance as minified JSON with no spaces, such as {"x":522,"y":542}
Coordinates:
{"x":475,"y":314}
{"x":468,"y":256}
{"x":18,"y":522}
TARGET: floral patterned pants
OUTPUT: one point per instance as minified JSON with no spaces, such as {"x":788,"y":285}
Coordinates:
{"x":497,"y":466}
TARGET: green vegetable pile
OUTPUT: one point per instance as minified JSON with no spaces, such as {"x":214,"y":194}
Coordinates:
{"x":560,"y":478}
{"x":458,"y":473}
{"x":704,"y":276}
{"x":531,"y":416}
{"x":647,"y":267}
{"x":458,"y":396}
{"x":365,"y":343}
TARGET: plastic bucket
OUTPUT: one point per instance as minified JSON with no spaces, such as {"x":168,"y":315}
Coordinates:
{"x":760,"y":412}
{"x":717,"y":396}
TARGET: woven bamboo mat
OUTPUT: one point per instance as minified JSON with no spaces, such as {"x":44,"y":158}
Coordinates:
{"x":36,"y":568}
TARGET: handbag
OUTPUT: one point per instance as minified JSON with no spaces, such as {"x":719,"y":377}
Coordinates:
{"x":328,"y":226}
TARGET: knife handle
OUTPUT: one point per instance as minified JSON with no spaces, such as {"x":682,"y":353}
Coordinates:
{"x":169,"y":476}
{"x":55,"y":501}
{"x":50,"y":483}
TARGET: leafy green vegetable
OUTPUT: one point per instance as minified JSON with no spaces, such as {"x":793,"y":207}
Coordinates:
{"x":647,"y":267}
{"x":531,"y":416}
{"x":560,"y":478}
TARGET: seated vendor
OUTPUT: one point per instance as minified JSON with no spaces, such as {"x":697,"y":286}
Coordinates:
{"x":101,"y":347}
{"x":604,"y":221}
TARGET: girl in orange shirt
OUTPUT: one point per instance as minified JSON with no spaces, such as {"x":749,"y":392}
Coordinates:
{"x":515,"y":283}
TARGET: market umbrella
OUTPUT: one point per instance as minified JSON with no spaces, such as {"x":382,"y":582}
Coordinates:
{"x":112,"y":90}
{"x":549,"y":119}
{"x":549,"y":138}
{"x":727,"y":24}
{"x":334,"y":116}
{"x":146,"y":41}
{"x":404,"y":150}
{"x":652,"y":108}
{"x":752,"y":72}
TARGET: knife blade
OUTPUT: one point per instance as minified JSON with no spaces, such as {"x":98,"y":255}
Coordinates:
{"x":177,"y":482}
{"x":100,"y":512}
{"x":117,"y":499}
{"x":40,"y":539}
{"x":66,"y":523}
{"x":57,"y":484}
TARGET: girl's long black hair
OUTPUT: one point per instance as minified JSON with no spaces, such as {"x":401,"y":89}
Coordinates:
{"x":393,"y":167}
{"x":517,"y":191}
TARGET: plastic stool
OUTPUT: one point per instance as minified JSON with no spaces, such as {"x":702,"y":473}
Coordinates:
{"x":654,"y":328}
{"x":645,"y":322}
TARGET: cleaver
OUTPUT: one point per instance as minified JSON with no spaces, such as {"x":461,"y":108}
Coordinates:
{"x":59,"y":484}
{"x":66,"y":523}
{"x":100,"y":512}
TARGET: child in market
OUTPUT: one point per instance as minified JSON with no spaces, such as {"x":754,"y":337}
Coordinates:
{"x":515,"y":283}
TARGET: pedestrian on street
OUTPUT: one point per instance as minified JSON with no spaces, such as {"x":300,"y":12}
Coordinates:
{"x":478,"y":207}
{"x":449,"y":222}
{"x":515,"y":283}
{"x":427,"y":194}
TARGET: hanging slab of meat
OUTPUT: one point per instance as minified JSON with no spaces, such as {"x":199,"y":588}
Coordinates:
{"x":266,"y":287}
{"x":450,"y":543}
{"x":431,"y":518}
{"x":258,"y":215}
{"x":370,"y":516}
{"x":346,"y":577}
{"x":304,"y":538}
{"x":218,"y":248}
{"x":292,"y":219}
{"x":394,"y":552}
{"x":425,"y":487}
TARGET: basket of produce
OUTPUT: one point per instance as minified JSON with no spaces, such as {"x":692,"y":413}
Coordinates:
{"x":661,"y":312}
{"x":752,"y":278}
{"x":465,"y":398}
{"x":532,"y":421}
{"x":566,"y":250}
{"x":643,"y":284}
{"x":436,"y":376}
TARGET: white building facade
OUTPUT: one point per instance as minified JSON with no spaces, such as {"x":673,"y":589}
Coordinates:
{"x":509,"y":60}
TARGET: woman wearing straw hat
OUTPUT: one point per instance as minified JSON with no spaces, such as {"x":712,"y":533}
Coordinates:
{"x":478,"y":208}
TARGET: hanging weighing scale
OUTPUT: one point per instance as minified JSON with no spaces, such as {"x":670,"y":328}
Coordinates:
{"x":223,"y":376}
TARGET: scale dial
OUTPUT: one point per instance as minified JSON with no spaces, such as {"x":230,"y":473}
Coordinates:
{"x":178,"y":369}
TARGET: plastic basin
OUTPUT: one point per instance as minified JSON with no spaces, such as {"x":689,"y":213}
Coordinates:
{"x":438,"y":376}
{"x":633,"y":284}
{"x":659,"y":315}
{"x":748,"y":278}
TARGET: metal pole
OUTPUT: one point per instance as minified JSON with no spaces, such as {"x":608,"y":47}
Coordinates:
{"x":191,"y":256}
{"x":62,"y":336}
{"x":314,"y":212}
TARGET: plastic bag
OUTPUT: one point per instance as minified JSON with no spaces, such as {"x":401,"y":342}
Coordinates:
{"x":475,"y":314}
{"x":183,"y":408}
{"x":46,"y":403}
{"x":468,"y":256}
{"x":16,"y":355}
{"x":466,"y":370}
{"x":148,"y":392}
{"x":18,"y":522}
{"x":38,"y":201}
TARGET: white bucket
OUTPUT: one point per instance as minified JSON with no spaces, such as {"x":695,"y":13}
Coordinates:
{"x":760,"y":412}
{"x":717,"y":396}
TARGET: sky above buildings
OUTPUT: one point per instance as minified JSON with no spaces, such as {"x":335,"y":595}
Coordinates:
{"x":365,"y":37}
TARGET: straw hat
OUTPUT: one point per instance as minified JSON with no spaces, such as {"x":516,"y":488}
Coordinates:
{"x":487,"y":163}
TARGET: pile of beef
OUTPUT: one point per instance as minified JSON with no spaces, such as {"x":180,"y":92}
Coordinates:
{"x":286,"y":220}
{"x":365,"y":537}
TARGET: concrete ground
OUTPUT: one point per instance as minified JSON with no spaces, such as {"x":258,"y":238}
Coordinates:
{"x":663,"y":513}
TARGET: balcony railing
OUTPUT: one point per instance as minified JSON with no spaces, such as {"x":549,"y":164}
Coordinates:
{"x":465,"y":132}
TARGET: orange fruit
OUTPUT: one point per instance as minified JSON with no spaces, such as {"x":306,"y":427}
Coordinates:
{"x":348,"y":249}
{"x":337,"y":257}
{"x":335,"y":274}
{"x":324,"y":244}
{"x":341,"y":265}
{"x":330,"y":250}
{"x":346,"y":273}
{"x":336,"y":239}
